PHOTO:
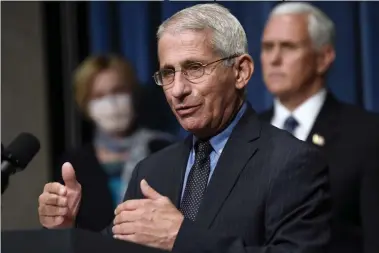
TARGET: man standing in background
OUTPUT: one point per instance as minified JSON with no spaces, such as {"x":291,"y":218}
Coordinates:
{"x":297,"y":52}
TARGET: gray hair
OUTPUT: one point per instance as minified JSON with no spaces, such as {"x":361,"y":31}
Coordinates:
{"x":228,"y":35}
{"x":320,"y":27}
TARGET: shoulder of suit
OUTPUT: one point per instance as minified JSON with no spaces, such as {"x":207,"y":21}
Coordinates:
{"x":278,"y":141}
{"x":265,"y":115}
{"x":170,"y":150}
{"x":357,"y":116}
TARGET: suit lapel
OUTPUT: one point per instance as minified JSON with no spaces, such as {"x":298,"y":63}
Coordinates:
{"x":178,"y":166}
{"x":324,"y":127}
{"x":240,"y":147}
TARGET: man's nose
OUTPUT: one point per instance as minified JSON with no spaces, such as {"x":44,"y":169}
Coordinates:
{"x":180,"y":86}
{"x":275,"y":56}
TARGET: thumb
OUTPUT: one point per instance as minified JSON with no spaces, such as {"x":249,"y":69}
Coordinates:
{"x":148,"y":191}
{"x":68,"y":175}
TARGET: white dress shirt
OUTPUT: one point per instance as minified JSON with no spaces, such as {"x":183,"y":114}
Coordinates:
{"x":305,"y":114}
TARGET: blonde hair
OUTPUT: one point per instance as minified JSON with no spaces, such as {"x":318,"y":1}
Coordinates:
{"x":87,"y":71}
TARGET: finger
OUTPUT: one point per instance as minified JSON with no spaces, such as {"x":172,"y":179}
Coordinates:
{"x":125,"y":228}
{"x":129,"y":238}
{"x":148,"y":191}
{"x":69,"y":177}
{"x":127,"y":216}
{"x":51,"y":222}
{"x":55,"y":188}
{"x":52,"y":199}
{"x":49,"y":210}
{"x":131,"y":205}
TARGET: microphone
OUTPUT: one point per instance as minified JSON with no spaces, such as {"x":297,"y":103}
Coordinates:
{"x":17,"y":156}
{"x":4,"y":177}
{"x":2,"y":152}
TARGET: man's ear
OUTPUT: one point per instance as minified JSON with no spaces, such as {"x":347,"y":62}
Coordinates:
{"x":244,"y":68}
{"x":325,"y":59}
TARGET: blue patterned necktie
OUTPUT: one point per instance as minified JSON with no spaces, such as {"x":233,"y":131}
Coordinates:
{"x":197,"y":180}
{"x":290,"y":124}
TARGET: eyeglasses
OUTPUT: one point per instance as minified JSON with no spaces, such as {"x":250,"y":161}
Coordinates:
{"x":191,"y":71}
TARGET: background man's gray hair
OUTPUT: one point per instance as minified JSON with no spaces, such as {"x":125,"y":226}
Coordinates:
{"x":228,"y":36}
{"x":320,"y":27}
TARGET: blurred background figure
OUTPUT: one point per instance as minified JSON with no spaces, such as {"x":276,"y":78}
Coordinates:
{"x":106,"y":91}
{"x":297,"y":52}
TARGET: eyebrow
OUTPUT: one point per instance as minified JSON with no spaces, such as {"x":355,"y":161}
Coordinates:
{"x":185,"y":62}
{"x":283,"y":42}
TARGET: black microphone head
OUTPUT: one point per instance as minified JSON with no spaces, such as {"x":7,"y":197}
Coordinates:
{"x":22,"y":149}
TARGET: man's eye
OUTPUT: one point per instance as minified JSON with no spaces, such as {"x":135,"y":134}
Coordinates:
{"x":289,"y":46}
{"x":194,"y":67}
{"x":166,"y":72}
{"x":267,"y":46}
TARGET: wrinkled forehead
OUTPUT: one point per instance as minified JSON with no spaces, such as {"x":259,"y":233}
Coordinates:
{"x":174,"y":48}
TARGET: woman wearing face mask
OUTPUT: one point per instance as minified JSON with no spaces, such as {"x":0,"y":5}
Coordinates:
{"x":104,"y":88}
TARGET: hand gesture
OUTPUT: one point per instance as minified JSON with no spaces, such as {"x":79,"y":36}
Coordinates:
{"x":59,"y":204}
{"x":153,"y":221}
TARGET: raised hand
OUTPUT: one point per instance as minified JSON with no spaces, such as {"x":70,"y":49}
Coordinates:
{"x":59,"y":204}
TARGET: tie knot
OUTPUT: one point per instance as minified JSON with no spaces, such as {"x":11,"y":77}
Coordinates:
{"x":290,"y":124}
{"x":203,"y":147}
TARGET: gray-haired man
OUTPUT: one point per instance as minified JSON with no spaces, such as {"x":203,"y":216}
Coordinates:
{"x":235,"y":184}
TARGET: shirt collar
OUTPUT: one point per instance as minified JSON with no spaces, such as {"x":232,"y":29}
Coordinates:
{"x":218,"y":142}
{"x":305,"y":114}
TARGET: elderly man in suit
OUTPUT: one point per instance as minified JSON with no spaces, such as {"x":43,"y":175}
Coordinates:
{"x":297,"y":51}
{"x":235,"y":184}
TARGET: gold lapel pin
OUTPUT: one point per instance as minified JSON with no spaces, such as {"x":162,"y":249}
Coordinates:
{"x":318,"y":140}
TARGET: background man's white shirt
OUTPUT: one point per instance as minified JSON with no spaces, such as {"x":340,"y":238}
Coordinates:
{"x":305,"y":114}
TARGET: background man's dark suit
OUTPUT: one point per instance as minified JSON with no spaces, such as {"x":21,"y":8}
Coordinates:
{"x":269,"y":193}
{"x":352,"y":150}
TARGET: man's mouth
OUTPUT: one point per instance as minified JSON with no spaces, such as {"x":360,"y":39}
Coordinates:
{"x":185,"y":110}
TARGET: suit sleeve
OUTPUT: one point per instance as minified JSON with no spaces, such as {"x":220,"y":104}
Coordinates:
{"x":131,"y":193}
{"x":297,"y":217}
{"x":369,"y":197}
